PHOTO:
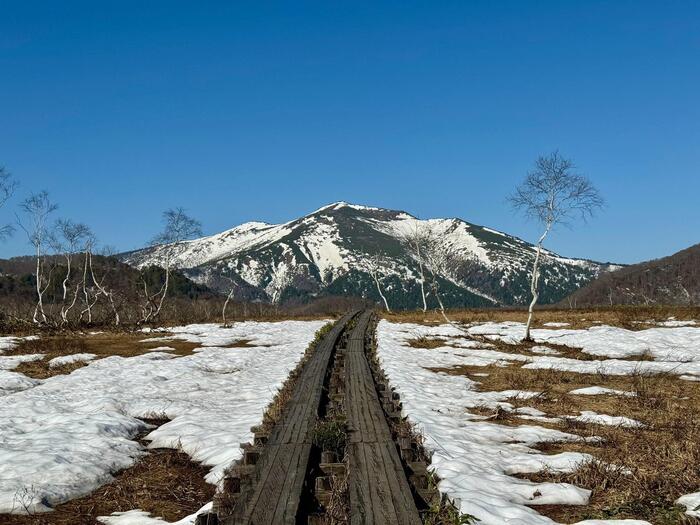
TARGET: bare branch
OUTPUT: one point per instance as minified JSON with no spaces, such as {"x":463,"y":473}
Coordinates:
{"x":553,"y":194}
{"x":178,"y":227}
{"x":7,"y":189}
{"x":38,"y":207}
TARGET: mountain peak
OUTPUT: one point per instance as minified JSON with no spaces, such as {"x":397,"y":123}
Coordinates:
{"x":339,"y":205}
{"x":339,"y":249}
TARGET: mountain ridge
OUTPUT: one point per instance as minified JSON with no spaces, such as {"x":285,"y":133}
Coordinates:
{"x":332,"y":250}
{"x":670,"y":280}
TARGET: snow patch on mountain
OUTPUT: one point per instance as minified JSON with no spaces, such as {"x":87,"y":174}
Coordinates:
{"x":340,"y":245}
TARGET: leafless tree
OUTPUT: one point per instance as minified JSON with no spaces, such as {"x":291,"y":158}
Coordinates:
{"x":100,"y":284}
{"x":91,"y":294}
{"x":373,"y":264}
{"x":439,"y":262}
{"x":7,"y":189}
{"x":416,"y":238}
{"x":553,"y":194}
{"x":232,"y":290}
{"x":178,"y":228}
{"x":68,"y":239}
{"x":37,"y":208}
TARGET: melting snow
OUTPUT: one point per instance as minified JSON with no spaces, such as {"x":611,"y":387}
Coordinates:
{"x":13,"y":361}
{"x":72,"y":358}
{"x":11,"y":382}
{"x":139,"y":517}
{"x":675,"y":350}
{"x":475,"y":459}
{"x":692,"y":503}
{"x":588,"y":416}
{"x":63,"y":437}
{"x":599,"y":390}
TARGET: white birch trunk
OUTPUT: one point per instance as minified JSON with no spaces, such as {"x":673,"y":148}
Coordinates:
{"x":223,"y":310}
{"x":534,"y":283}
{"x":381,"y":294}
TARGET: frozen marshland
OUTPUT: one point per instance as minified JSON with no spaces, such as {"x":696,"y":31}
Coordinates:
{"x":504,"y":442}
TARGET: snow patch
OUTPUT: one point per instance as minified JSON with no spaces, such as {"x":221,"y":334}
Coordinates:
{"x":65,"y":436}
{"x":68,"y":359}
{"x":474,"y":459}
{"x":692,"y":503}
{"x":599,"y":390}
{"x":588,"y":416}
{"x":13,"y":361}
{"x":140,"y":517}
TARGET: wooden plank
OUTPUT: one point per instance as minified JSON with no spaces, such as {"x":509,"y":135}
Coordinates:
{"x":379,"y":490}
{"x":279,"y":475}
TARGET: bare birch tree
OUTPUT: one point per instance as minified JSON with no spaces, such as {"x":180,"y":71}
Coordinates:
{"x":91,"y":294}
{"x":178,"y":227}
{"x":373,"y":265}
{"x":68,"y":240}
{"x":7,"y":189}
{"x":37,"y":208}
{"x":553,"y":194}
{"x":416,"y":239}
{"x":100,"y":283}
{"x":439,"y":262}
{"x":232,"y":289}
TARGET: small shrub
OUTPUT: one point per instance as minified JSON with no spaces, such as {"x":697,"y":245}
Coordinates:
{"x":331,"y":436}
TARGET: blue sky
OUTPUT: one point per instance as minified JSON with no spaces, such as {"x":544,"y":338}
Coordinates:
{"x":265,"y":111}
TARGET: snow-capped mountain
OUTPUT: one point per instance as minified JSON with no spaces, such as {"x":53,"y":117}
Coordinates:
{"x":337,"y":249}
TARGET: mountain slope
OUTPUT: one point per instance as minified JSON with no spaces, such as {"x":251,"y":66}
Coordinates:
{"x":328,"y":252}
{"x":672,"y":280}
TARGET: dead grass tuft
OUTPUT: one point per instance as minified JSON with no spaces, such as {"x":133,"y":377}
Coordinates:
{"x":122,"y":344}
{"x":628,"y":317}
{"x":640,"y":472}
{"x":426,"y":342}
{"x":165,"y":483}
{"x":637,"y":472}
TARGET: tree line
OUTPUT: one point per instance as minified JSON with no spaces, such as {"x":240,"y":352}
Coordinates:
{"x":64,"y":251}
{"x":78,"y":275}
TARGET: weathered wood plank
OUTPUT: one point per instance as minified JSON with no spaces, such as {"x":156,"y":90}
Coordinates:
{"x":379,"y":490}
{"x":279,"y":475}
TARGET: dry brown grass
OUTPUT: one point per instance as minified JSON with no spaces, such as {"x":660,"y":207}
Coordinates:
{"x":651,"y":466}
{"x":626,"y":317}
{"x":655,"y":464}
{"x":122,"y":344}
{"x":426,"y":342}
{"x":165,"y":483}
{"x":523,"y":348}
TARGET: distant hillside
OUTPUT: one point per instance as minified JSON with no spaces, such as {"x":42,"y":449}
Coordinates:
{"x":332,"y":252}
{"x":18,"y":293}
{"x":17,"y":278}
{"x":673,"y":280}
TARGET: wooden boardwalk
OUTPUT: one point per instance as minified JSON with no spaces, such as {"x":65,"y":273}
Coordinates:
{"x":379,"y":490}
{"x":274,"y":496}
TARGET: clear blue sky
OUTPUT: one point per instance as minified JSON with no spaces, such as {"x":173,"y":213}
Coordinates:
{"x":265,"y":111}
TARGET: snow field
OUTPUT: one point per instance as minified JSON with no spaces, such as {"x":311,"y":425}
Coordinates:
{"x":475,"y":459}
{"x":63,"y":437}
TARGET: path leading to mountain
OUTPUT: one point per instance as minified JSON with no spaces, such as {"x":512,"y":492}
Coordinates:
{"x":293,"y":473}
